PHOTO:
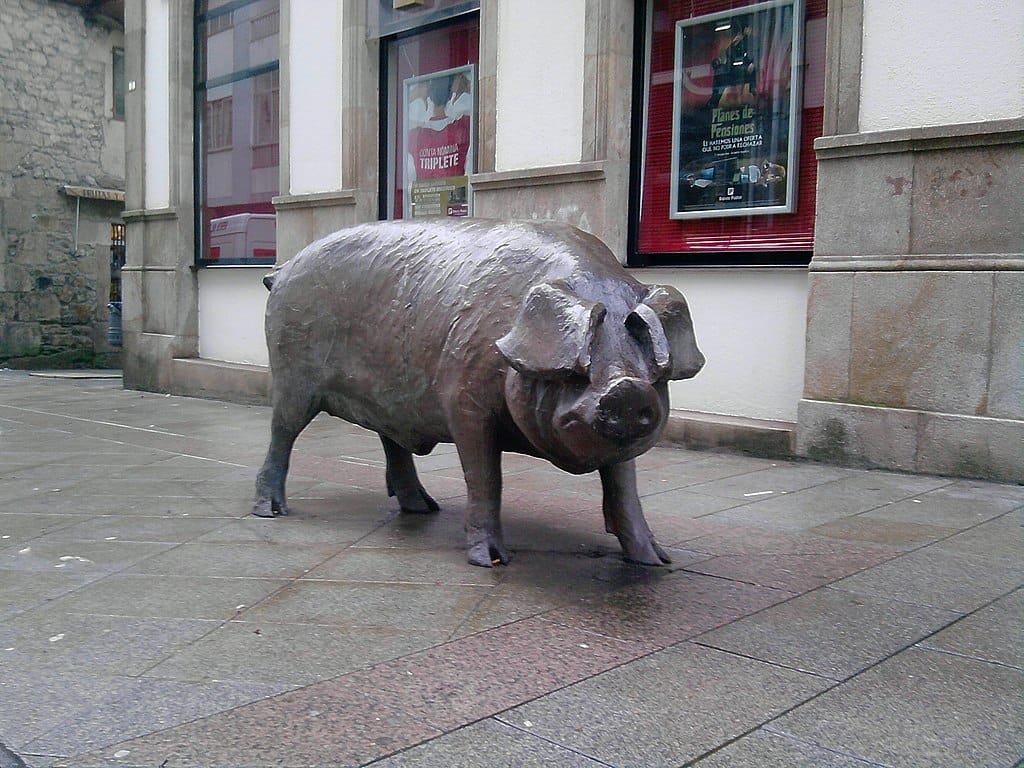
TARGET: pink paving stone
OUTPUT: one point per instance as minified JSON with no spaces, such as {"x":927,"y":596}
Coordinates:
{"x":669,"y":611}
{"x":483,"y":674}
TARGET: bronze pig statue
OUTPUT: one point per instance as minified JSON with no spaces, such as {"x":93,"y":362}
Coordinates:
{"x":497,"y":336}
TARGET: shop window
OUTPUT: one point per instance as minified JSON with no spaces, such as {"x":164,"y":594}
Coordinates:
{"x":729,"y":104}
{"x":237,"y":92}
{"x":430,"y":78}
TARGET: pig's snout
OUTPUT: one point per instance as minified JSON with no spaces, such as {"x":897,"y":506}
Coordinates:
{"x":629,"y":410}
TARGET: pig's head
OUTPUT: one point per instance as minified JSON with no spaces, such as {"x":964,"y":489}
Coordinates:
{"x":587,"y":383}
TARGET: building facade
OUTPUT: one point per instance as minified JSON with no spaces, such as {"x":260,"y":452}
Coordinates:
{"x":831,"y":185}
{"x":61,"y":181}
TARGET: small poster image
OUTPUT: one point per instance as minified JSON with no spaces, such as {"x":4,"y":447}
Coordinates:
{"x":736,"y":111}
{"x":440,"y":119}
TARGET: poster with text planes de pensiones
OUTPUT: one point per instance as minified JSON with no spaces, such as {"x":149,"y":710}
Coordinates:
{"x":737,"y":101}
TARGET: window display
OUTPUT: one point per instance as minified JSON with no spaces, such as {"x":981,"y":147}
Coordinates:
{"x":736,"y":123}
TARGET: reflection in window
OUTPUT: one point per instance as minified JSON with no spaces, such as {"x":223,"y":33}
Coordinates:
{"x":218,"y":124}
{"x":266,"y":121}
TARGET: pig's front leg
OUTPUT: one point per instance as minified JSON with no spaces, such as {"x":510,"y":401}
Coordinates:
{"x":624,"y":517}
{"x":481,"y":465}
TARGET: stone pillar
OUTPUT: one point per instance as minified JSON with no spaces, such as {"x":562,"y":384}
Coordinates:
{"x":915,"y":334}
{"x":160,"y":313}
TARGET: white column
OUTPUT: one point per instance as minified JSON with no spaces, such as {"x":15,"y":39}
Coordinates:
{"x":156,"y":73}
{"x":539,"y":89}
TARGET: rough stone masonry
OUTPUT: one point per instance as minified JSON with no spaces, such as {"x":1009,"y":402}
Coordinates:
{"x":57,"y":127}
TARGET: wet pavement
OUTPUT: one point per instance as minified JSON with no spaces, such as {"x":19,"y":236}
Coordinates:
{"x":813,"y":615}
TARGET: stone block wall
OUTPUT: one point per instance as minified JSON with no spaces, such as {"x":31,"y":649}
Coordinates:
{"x":915,"y":321}
{"x":56,"y":128}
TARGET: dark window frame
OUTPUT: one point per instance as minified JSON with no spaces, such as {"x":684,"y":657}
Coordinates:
{"x":200,"y":86}
{"x":384,"y":127}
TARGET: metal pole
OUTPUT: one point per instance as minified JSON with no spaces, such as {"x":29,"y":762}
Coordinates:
{"x":78,"y":211}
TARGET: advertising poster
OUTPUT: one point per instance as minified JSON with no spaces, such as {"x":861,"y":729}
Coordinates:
{"x":736,"y":112}
{"x":440,"y":119}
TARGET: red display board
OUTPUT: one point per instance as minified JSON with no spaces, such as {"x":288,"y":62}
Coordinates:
{"x":701,"y":239}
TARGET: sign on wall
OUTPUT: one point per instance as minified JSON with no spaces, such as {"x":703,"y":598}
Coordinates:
{"x":438,"y":139}
{"x":736,"y":112}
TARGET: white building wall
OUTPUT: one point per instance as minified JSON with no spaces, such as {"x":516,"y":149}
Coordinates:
{"x":314,"y":86}
{"x":539,"y":83}
{"x":156,"y":73}
{"x":750,"y":325}
{"x":232,"y":302}
{"x":941,"y":62}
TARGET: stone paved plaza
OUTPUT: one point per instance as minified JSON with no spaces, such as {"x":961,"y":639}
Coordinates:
{"x":813,"y":615}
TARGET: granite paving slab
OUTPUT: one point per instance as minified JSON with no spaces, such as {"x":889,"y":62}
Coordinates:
{"x":827,"y":632}
{"x":338,"y":725}
{"x":387,"y":605}
{"x":52,"y":552}
{"x":137,"y":528}
{"x":36,"y":699}
{"x":93,"y":644}
{"x":169,"y":597}
{"x":795,"y":572}
{"x":849,"y":495}
{"x":920,"y":708}
{"x":1001,"y":539}
{"x":776,"y":480}
{"x":762,"y":749}
{"x":666,"y":709}
{"x":939,"y":577}
{"x":993,"y":633}
{"x":479,"y":746}
{"x":23,"y":590}
{"x":142,"y":706}
{"x":483,"y":674}
{"x":249,"y":559}
{"x":888,"y":532}
{"x":667,"y":611}
{"x":952,"y":506}
{"x":294,"y":654}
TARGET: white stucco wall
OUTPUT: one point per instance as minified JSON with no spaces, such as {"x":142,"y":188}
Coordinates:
{"x":232,"y":301}
{"x":314,"y":85}
{"x":750,"y":325}
{"x":539,"y":101}
{"x":156,"y":74}
{"x":941,"y":62}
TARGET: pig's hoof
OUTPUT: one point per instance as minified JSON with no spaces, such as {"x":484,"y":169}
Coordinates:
{"x":265,"y":507}
{"x":646,"y":553}
{"x":487,"y":554}
{"x":421,"y":504}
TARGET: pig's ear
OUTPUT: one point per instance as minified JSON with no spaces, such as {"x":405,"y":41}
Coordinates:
{"x":552,"y":335}
{"x":663,"y":322}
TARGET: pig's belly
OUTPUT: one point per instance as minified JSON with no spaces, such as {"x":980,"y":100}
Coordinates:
{"x":413,"y":419}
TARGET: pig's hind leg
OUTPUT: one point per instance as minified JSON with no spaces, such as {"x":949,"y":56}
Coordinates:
{"x":624,"y":517}
{"x":403,"y":481}
{"x":292,"y":413}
